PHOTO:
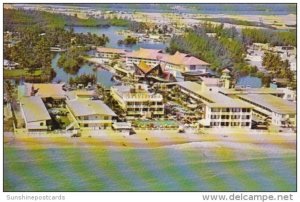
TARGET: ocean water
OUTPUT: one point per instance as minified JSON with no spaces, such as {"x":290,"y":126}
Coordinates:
{"x":162,"y":169}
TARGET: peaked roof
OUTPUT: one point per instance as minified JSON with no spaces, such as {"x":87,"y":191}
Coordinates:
{"x":45,"y":89}
{"x":144,"y":53}
{"x":155,"y":54}
{"x":183,"y":59}
{"x":110,"y":50}
{"x":34,"y":109}
{"x":82,"y":107}
{"x":226,"y":70}
{"x":144,"y":67}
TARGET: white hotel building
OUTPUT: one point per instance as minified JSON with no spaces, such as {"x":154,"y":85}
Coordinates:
{"x":91,"y":113}
{"x":218,"y":110}
{"x":280,"y":112}
{"x":138,"y":101}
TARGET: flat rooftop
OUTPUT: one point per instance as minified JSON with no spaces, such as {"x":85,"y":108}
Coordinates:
{"x":250,"y":91}
{"x":213,"y":99}
{"x":271,"y":102}
{"x":210,"y":81}
{"x":43,"y":90}
{"x":34,"y":109}
{"x":77,"y":93}
{"x":136,"y":89}
{"x":110,"y":50}
{"x":82,"y":107}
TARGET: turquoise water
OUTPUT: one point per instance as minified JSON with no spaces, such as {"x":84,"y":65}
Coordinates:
{"x":162,"y":169}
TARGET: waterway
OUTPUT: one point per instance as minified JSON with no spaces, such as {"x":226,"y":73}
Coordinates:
{"x":104,"y":77}
{"x":114,"y":37}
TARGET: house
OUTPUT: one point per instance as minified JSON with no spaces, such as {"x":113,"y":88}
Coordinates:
{"x":91,"y":113}
{"x":279,"y":111}
{"x":44,"y":90}
{"x":212,"y":35}
{"x":218,"y":110}
{"x":288,"y":94}
{"x":137,"y":101}
{"x":35,"y":114}
{"x":184,"y":63}
{"x":9,"y":65}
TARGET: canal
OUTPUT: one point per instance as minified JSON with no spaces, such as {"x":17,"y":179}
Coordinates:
{"x":114,"y":37}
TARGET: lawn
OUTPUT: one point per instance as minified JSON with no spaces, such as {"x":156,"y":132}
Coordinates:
{"x":125,"y":169}
{"x":21,"y":72}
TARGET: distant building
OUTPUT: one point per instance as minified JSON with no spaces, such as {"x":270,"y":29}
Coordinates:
{"x":35,"y":114}
{"x":149,"y":56}
{"x":107,"y":55}
{"x":260,"y":46}
{"x":290,"y":95}
{"x":185,"y":63}
{"x":9,"y":65}
{"x":279,"y":111}
{"x":179,"y":62}
{"x":91,"y":113}
{"x":290,"y":50}
{"x":138,"y":101}
{"x":212,"y":35}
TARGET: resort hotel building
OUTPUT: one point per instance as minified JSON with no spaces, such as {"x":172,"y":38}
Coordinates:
{"x":91,"y":113}
{"x":39,"y":104}
{"x":278,"y":111}
{"x":218,"y":110}
{"x":177,"y":63}
{"x":137,"y":101}
{"x":107,"y":55}
{"x":241,"y":108}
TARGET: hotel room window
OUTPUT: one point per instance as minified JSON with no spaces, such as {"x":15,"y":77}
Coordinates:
{"x":192,"y":67}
